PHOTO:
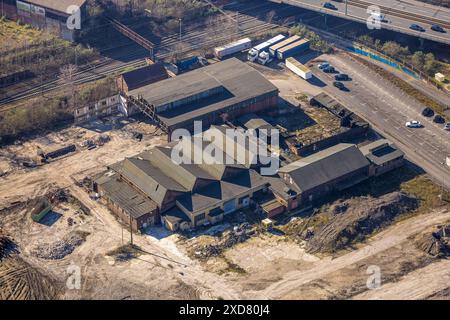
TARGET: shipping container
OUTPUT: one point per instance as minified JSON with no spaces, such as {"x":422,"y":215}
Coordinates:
{"x":232,"y":48}
{"x":273,"y":49}
{"x":293,"y":49}
{"x":298,"y":68}
{"x":187,"y":63}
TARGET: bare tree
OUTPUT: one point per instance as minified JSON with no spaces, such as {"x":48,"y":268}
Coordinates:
{"x":67,"y":76}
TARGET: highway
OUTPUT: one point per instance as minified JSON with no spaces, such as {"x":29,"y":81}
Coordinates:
{"x":400,"y":14}
{"x":387,"y":109}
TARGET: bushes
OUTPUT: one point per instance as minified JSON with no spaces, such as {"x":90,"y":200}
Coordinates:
{"x":316,"y":42}
{"x":46,"y":113}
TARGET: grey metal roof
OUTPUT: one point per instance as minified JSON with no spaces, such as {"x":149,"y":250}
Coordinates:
{"x":175,"y":215}
{"x":221,"y":191}
{"x":252,"y":121}
{"x":144,"y":76}
{"x":381,"y":151}
{"x":57,"y":5}
{"x":325,"y":166}
{"x":240,"y":82}
{"x":125,"y":196}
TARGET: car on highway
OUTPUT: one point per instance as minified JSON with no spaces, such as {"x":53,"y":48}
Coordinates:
{"x":447,"y":126}
{"x":439,"y":119}
{"x":417,"y":27}
{"x":342,"y":77}
{"x":329,"y":5}
{"x":339,"y":85}
{"x":414,"y":124}
{"x":428,"y":112}
{"x":323,"y":65}
{"x":437,"y":28}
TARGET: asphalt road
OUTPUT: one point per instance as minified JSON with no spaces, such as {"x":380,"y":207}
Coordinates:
{"x":387,"y":109}
{"x":393,"y":21}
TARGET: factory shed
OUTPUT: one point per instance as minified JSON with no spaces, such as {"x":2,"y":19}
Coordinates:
{"x":383,"y":155}
{"x":335,"y":168}
{"x":141,"y":77}
{"x":227,"y":89}
{"x":127,"y":203}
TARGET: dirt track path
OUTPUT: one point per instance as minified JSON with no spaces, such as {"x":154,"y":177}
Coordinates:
{"x":419,"y":284}
{"x":382,"y":241}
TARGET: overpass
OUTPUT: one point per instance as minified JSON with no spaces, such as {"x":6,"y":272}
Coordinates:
{"x":399,"y":15}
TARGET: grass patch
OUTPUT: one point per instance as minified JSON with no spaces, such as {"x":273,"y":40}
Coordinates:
{"x":431,"y":195}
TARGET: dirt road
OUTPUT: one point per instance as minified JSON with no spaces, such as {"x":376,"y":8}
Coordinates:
{"x":382,"y":241}
{"x":418,"y":284}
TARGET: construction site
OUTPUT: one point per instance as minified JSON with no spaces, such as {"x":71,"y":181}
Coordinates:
{"x":103,"y":198}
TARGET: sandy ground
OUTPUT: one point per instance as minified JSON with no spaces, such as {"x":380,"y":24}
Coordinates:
{"x":267,"y":266}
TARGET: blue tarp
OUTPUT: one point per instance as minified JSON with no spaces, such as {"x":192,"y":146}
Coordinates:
{"x":384,"y":60}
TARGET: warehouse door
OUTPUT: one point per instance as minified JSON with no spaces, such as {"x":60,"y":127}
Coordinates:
{"x":229,"y":206}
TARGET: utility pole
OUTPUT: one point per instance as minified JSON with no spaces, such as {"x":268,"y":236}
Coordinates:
{"x":131,"y":231}
{"x":180,"y":28}
{"x":346,"y":7}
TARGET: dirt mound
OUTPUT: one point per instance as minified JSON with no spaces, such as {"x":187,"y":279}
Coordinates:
{"x":436,"y":243}
{"x":7,"y":246}
{"x":348,"y":222}
{"x":20,"y":281}
{"x":62,"y":248}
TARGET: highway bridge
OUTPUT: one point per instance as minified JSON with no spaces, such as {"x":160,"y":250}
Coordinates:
{"x":399,"y":15}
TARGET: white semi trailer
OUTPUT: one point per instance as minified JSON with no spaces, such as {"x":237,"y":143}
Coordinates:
{"x":232,"y":48}
{"x":254,"y":52}
{"x":298,"y":68}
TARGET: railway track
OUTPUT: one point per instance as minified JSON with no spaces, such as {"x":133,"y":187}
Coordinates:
{"x":249,"y":24}
{"x":401,"y":14}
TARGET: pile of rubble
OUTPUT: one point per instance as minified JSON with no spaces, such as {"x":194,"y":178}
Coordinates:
{"x":7,"y":246}
{"x":62,"y":248}
{"x":355,"y":219}
{"x":237,"y":235}
{"x":436,"y":243}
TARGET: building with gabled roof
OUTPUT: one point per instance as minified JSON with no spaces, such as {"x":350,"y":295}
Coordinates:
{"x":335,"y":168}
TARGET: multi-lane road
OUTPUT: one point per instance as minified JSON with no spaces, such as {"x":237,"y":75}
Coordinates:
{"x":387,"y":109}
{"x":399,"y":14}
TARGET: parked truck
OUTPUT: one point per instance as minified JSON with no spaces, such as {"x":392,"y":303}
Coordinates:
{"x":293,"y":49}
{"x":231,"y":48}
{"x":274,"y":49}
{"x":254,"y":52}
{"x":298,"y":68}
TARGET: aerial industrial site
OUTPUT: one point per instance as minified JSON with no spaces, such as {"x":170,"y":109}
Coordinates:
{"x":224,"y":150}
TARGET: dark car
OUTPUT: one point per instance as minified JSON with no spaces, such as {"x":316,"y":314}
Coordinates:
{"x":339,"y":85}
{"x":427,"y":112}
{"x":416,"y":27}
{"x":437,"y":28}
{"x":439,"y":119}
{"x":329,"y":5}
{"x":342,"y":77}
{"x":329,"y":69}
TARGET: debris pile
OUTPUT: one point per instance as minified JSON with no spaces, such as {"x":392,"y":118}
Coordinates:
{"x":436,"y":243}
{"x":7,"y":246}
{"x":62,"y":248}
{"x":348,"y":222}
{"x":237,"y":235}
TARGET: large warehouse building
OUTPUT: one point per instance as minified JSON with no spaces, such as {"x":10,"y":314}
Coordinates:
{"x":224,"y":90}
